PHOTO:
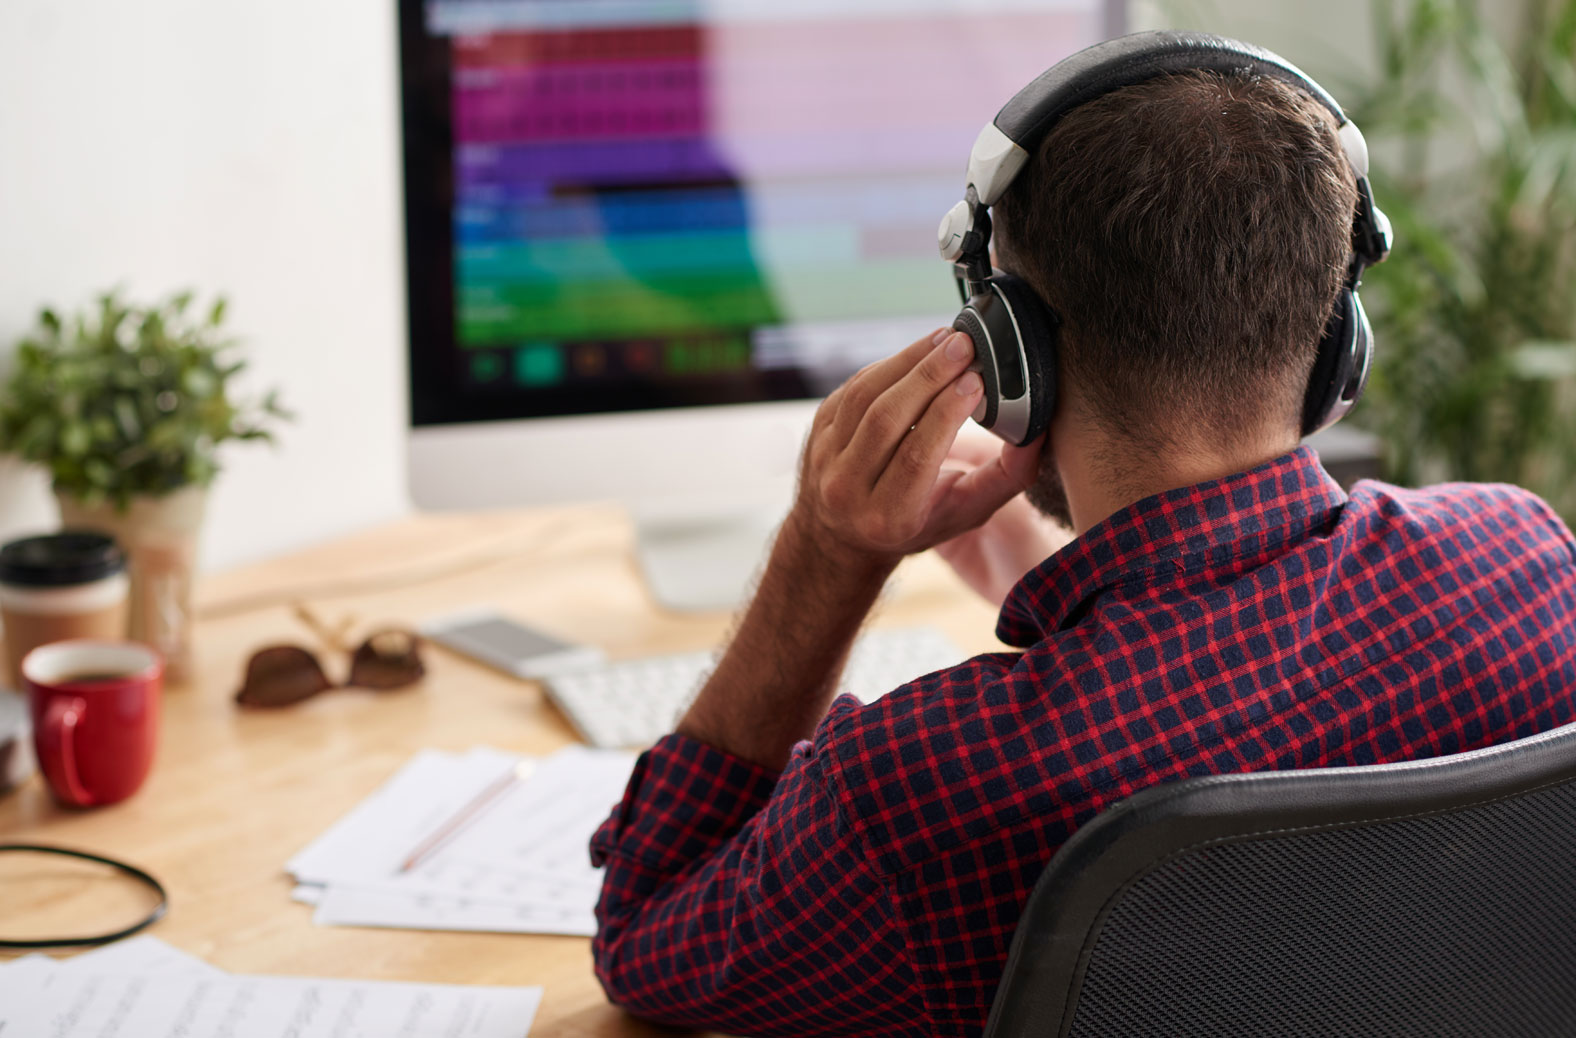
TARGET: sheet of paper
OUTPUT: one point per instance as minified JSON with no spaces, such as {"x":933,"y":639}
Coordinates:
{"x":141,"y":955}
{"x":379,"y":833}
{"x":27,"y":965}
{"x":358,"y":906}
{"x":543,"y":827}
{"x":501,"y":880}
{"x":62,"y":1003}
{"x":521,"y":865}
{"x":484,"y":883}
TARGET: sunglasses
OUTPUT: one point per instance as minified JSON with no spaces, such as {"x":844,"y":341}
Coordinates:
{"x":283,"y":675}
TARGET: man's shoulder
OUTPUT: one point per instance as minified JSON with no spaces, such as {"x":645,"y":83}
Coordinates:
{"x":1038,"y":738}
{"x":935,"y":761}
{"x":1469,"y":512}
{"x":924,"y":713}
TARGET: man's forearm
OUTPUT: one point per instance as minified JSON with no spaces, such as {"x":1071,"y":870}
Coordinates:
{"x":871,"y":491}
{"x":778,"y":674}
{"x":680,"y":940}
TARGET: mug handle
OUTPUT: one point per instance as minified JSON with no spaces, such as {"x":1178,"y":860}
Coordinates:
{"x":57,"y":745}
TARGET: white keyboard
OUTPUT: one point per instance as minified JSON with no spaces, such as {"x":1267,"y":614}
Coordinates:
{"x":634,"y":703}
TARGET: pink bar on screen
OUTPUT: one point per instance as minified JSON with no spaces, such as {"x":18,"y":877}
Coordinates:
{"x":571,"y":100}
{"x":508,"y":49}
{"x":880,"y":73}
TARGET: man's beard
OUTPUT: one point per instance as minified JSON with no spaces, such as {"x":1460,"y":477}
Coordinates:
{"x":1048,"y":494}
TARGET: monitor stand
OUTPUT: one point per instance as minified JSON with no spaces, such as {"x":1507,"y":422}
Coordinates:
{"x":704,"y":559}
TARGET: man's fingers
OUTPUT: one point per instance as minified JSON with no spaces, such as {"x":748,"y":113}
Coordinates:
{"x":910,"y":475}
{"x":873,"y":464}
{"x":826,"y":414}
{"x":974,"y":497}
{"x":1022,"y":464}
{"x":884,"y":427}
{"x":861,"y":392}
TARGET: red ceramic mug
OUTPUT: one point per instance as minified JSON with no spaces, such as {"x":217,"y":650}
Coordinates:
{"x":95,"y":709}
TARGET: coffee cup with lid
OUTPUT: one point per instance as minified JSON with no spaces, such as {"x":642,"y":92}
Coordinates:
{"x":59,"y":587}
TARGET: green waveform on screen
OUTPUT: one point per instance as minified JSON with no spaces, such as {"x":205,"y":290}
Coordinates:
{"x":667,"y":304}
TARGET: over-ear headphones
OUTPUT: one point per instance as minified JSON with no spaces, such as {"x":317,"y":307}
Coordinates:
{"x":1015,"y":332}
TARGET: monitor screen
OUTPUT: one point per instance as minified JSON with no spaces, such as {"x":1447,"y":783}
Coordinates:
{"x":617,"y":205}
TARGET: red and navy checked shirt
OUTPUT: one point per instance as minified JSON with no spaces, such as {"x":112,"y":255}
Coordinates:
{"x":1258,"y":622}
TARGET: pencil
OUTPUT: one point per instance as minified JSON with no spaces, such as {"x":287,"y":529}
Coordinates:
{"x":465,"y":815}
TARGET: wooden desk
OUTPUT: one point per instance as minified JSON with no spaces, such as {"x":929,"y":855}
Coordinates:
{"x":234,"y":794}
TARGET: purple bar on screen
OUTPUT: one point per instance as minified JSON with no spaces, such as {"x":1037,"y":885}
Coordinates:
{"x":599,"y":162}
{"x":756,"y":156}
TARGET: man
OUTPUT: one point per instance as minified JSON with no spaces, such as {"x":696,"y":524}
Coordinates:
{"x":776,"y":868}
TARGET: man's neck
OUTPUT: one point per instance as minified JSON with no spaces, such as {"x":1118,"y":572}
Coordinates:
{"x":1102,"y":477}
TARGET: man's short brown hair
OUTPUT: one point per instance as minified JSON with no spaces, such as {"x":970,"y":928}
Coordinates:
{"x":1192,"y":232}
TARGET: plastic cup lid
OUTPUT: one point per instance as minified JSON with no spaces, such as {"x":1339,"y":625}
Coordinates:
{"x":60,"y":559}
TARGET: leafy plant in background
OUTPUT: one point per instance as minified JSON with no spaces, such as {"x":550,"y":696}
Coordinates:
{"x":125,"y":401}
{"x":1475,"y":163}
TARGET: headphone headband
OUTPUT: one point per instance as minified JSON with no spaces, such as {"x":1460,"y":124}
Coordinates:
{"x":1135,"y":58}
{"x":1006,"y":143}
{"x":1127,"y":61}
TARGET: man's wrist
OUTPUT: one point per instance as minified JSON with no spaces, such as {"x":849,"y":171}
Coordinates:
{"x":820,"y":560}
{"x":774,"y":682}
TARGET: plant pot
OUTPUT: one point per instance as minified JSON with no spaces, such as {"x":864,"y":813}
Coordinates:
{"x":160,"y":536}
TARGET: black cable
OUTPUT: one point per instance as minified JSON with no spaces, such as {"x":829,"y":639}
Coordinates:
{"x":120,"y":866}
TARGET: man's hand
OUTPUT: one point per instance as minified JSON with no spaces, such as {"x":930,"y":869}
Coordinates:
{"x":871,"y":490}
{"x":991,"y":558}
{"x":872,"y":487}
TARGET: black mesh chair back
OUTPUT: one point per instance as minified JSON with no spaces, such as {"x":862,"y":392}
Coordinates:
{"x":1429,"y":898}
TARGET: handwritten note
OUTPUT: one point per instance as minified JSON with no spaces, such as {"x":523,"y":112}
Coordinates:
{"x":519,"y":866}
{"x":146,"y":989}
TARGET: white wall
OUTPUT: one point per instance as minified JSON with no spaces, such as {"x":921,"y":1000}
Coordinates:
{"x":252,"y":148}
{"x":237,"y":146}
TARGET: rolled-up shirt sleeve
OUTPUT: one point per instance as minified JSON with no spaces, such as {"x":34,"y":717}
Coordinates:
{"x":737,"y":899}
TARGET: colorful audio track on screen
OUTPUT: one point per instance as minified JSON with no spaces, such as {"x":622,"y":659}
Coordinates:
{"x":643,"y":193}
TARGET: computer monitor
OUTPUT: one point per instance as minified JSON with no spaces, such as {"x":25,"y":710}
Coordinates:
{"x":644,"y":236}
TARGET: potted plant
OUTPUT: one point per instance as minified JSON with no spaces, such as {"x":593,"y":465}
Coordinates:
{"x":126,"y":407}
{"x":1475,"y":133}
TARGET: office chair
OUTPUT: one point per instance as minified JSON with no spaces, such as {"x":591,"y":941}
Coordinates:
{"x":1429,"y":898}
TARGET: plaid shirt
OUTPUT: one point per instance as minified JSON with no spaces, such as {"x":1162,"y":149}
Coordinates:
{"x":1262,"y":621}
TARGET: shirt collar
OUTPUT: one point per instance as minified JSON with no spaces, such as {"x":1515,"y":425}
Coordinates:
{"x":1247,"y":514}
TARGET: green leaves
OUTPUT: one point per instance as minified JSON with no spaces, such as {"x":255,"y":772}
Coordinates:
{"x":124,"y":401}
{"x":1475,"y":311}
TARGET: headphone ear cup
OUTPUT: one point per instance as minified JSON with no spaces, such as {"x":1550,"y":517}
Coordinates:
{"x":971,"y":323}
{"x":1363,"y":359}
{"x":1038,"y":331}
{"x":1340,"y":371}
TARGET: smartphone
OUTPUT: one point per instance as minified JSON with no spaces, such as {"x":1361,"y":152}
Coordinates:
{"x":489,"y":637}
